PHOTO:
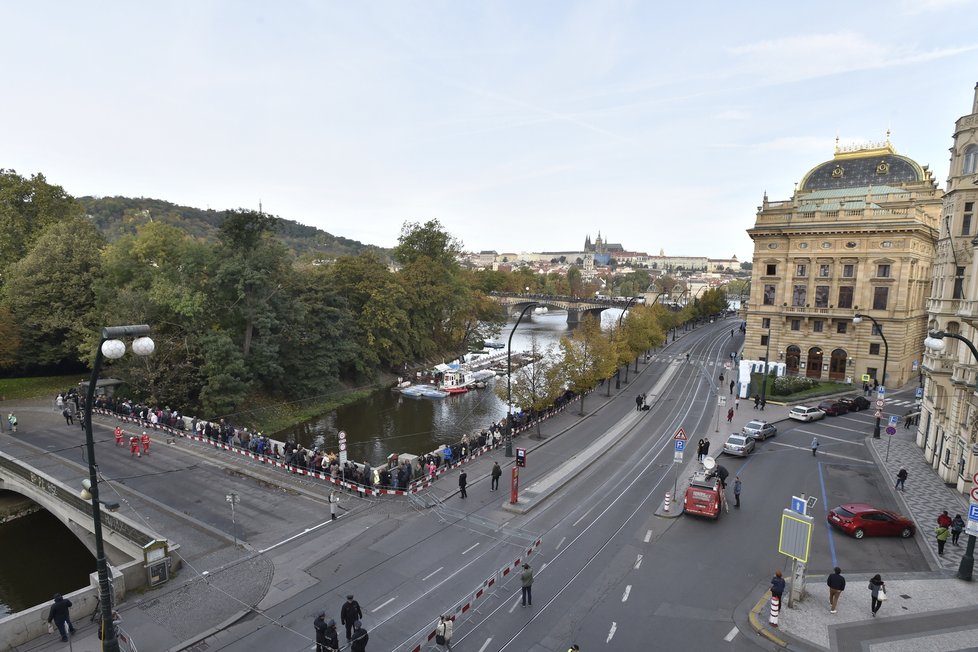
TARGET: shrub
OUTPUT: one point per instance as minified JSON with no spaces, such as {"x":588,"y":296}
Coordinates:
{"x":785,"y":385}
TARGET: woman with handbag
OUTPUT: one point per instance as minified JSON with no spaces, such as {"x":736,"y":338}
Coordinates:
{"x":878,"y":589}
{"x":443,"y":633}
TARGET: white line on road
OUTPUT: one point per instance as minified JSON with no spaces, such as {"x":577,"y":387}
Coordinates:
{"x":823,"y":436}
{"x":516,"y":604}
{"x":805,"y":448}
{"x":583,"y":516}
{"x":544,"y":566}
{"x":729,"y":637}
{"x":648,"y":536}
{"x":381,"y":606}
{"x":432,"y":574}
{"x":471,"y":548}
{"x":628,"y":589}
{"x":560,"y":543}
{"x":638,"y":562}
{"x":611,"y":633}
{"x":485,"y":645}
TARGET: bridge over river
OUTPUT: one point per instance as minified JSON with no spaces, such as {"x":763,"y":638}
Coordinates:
{"x":576,"y":307}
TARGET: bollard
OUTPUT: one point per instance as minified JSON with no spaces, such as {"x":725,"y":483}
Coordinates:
{"x":775,"y":610}
{"x":665,"y":508}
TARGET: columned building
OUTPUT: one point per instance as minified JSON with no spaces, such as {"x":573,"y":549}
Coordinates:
{"x":948,"y":420}
{"x":857,"y":237}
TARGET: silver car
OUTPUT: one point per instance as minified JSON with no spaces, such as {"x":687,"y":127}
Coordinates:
{"x":740,"y":445}
{"x":759,"y":429}
{"x":805,"y":413}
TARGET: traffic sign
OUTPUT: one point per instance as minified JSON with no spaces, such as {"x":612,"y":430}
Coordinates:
{"x":680,"y":445}
{"x":343,"y":454}
{"x":680,"y":435}
{"x":919,"y":393}
{"x":881,"y":391}
{"x":677,"y":457}
{"x":974,"y":494}
{"x":878,"y":414}
{"x":974,"y":479}
{"x":880,"y":403}
{"x":798,"y":504}
{"x":973,"y":512}
{"x":914,"y":365}
{"x":890,"y":430}
{"x":796,"y":535}
{"x":894,"y":419}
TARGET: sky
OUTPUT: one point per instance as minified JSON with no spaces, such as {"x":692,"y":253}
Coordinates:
{"x":519,"y":126}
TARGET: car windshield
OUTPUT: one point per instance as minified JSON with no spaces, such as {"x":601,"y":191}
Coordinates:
{"x":842,"y":511}
{"x":736,"y":440}
{"x":755,"y":425}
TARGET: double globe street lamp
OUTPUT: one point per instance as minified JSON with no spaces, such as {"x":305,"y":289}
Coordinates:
{"x":857,"y":319}
{"x":113,"y":348}
{"x":935,"y":342}
{"x":509,"y":380}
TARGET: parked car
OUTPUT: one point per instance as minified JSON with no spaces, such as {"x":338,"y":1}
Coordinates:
{"x":833,"y":408}
{"x":759,"y":429}
{"x":860,"y":519}
{"x":855,"y":403}
{"x":739,"y":444}
{"x":805,"y":413}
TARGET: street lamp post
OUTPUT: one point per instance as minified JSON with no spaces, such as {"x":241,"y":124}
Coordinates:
{"x":767,"y":356}
{"x":112,"y":348}
{"x":509,"y":381}
{"x":935,"y":342}
{"x":618,"y":371}
{"x":857,"y":318}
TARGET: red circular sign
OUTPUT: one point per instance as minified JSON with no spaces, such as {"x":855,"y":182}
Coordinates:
{"x":974,"y":494}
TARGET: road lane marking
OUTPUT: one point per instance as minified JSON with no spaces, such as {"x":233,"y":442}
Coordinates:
{"x":381,"y":606}
{"x":648,"y":536}
{"x":583,"y":516}
{"x":544,"y":566}
{"x":485,"y":645}
{"x":471,"y":548}
{"x":432,"y":574}
{"x":858,"y":431}
{"x":844,"y":441}
{"x":638,"y":562}
{"x":805,"y":448}
{"x":560,"y":543}
{"x":730,"y":636}
{"x":611,"y":633}
{"x":628,"y":589}
{"x":516,"y":604}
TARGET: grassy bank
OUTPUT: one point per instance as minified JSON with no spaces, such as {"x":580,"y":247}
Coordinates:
{"x":12,"y":389}
{"x":270,"y":415}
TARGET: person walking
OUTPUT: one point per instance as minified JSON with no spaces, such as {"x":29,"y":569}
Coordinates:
{"x":814,"y":446}
{"x":443,"y":632}
{"x":332,"y":643}
{"x":901,"y":479}
{"x":957,"y":526}
{"x":334,"y":500}
{"x":757,"y":400}
{"x":944,"y":519}
{"x":61,"y":617}
{"x":943,"y":533}
{"x":865,"y":389}
{"x":145,"y":441}
{"x":737,"y":488}
{"x":732,"y":383}
{"x":463,"y":479}
{"x":737,"y":403}
{"x":119,"y":434}
{"x":360,"y":638}
{"x":730,"y":414}
{"x":777,"y":585}
{"x":877,"y":588}
{"x":638,"y":403}
{"x":763,"y":403}
{"x":319,"y":624}
{"x":496,"y":473}
{"x":12,"y":420}
{"x":134,"y":446}
{"x":526,"y":583}
{"x":69,"y":418}
{"x":837,"y":584}
{"x":350,"y":615}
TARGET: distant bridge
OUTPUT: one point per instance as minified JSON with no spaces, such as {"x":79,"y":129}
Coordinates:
{"x":576,"y":307}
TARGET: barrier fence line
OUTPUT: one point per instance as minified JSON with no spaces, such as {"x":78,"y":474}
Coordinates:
{"x":468,"y":603}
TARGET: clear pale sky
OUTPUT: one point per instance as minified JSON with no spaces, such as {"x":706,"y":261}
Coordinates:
{"x":521,"y":126}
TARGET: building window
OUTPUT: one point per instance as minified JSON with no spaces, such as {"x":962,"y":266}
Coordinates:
{"x":845,"y":296}
{"x":848,"y":271}
{"x":796,"y":324}
{"x":958,"y":283}
{"x":874,"y":349}
{"x":880,"y":295}
{"x":821,"y":296}
{"x":770,"y":291}
{"x":799,"y":295}
{"x":871,"y":372}
{"x":772,"y":269}
{"x":969,"y":211}
{"x":882,"y":271}
{"x":766,"y":322}
{"x":841,"y":327}
{"x":818,"y":326}
{"x":824,"y":271}
{"x":763,"y":340}
{"x":801,"y":270}
{"x":970,"y":160}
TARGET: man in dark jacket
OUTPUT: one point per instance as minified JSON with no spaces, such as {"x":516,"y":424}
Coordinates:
{"x":496,"y":473}
{"x":320,"y":626}
{"x":463,"y":480}
{"x":350,"y":614}
{"x":837,"y":584}
{"x":332,"y":638}
{"x":59,"y":614}
{"x":360,"y":638}
{"x":777,"y":585}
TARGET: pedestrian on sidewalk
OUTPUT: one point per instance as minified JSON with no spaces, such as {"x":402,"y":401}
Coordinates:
{"x":360,"y":638}
{"x":350,"y":615}
{"x":526,"y":583}
{"x":699,"y":450}
{"x":737,"y":488}
{"x":814,"y":446}
{"x":463,"y":479}
{"x":907,"y":421}
{"x":333,"y":502}
{"x":730,"y":413}
{"x":877,"y":588}
{"x":957,"y":526}
{"x":944,"y":520}
{"x":837,"y":584}
{"x":901,"y":478}
{"x":732,"y":383}
{"x":777,"y":585}
{"x":638,"y":403}
{"x":443,"y":632}
{"x":763,"y":403}
{"x":943,"y":534}
{"x":737,"y":403}
{"x":69,"y":419}
{"x":496,"y":472}
{"x":865,"y":389}
{"x":12,"y":420}
{"x":61,"y":617}
{"x":706,"y":448}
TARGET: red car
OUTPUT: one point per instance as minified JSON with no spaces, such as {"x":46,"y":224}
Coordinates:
{"x":833,"y":408}
{"x":859,"y":520}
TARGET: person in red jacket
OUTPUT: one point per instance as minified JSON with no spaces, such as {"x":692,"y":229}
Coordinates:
{"x":119,"y":434}
{"x":145,"y":440}
{"x":134,"y":446}
{"x":944,"y":520}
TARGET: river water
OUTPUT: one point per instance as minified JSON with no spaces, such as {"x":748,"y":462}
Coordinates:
{"x":387,"y":422}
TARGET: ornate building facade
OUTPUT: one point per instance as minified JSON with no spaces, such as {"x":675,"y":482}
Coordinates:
{"x":857,"y":237}
{"x":948,"y":424}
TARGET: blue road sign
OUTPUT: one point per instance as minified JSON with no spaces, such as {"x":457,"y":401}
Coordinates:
{"x":894,"y":419}
{"x":881,"y":391}
{"x":919,"y":393}
{"x":973,"y":512}
{"x":798,"y":504}
{"x":680,"y":445}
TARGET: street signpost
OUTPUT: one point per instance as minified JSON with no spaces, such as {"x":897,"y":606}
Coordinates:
{"x":343,"y":458}
{"x":677,"y":457}
{"x":919,"y":393}
{"x":878,"y":414}
{"x":890,"y":430}
{"x":795,"y":542}
{"x":894,"y":419}
{"x":971,"y":528}
{"x":234,"y":499}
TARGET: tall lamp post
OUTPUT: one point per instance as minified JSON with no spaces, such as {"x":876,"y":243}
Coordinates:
{"x":113,"y":348}
{"x":509,"y":381}
{"x":620,"y":317}
{"x":857,"y":318}
{"x":767,"y":356}
{"x":936,"y":343}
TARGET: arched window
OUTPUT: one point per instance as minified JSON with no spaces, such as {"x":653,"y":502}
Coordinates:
{"x":837,"y":364}
{"x":814,"y":364}
{"x":970,"y":160}
{"x":792,"y":358}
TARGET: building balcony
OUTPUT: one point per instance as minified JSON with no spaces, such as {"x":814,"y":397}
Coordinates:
{"x":842,"y":313}
{"x":966,"y":309}
{"x":938,"y":364}
{"x":963,"y":374}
